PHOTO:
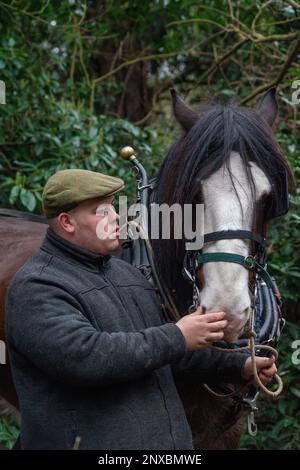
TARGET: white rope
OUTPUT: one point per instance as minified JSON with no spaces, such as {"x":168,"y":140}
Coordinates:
{"x":253,"y":347}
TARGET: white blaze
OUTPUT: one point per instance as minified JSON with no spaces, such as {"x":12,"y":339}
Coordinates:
{"x":226,"y":284}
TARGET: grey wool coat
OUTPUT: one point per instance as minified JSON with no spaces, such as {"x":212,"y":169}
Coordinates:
{"x":93,"y":357}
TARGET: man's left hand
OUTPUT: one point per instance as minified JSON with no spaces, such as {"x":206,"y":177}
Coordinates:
{"x":266,"y":369}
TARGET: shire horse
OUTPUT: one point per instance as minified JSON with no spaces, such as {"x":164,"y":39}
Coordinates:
{"x":227,"y":159}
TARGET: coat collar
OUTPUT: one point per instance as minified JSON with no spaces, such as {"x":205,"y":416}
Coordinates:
{"x":56,"y":245}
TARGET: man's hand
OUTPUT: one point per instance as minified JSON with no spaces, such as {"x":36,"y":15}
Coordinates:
{"x":266,"y":369}
{"x":201,"y":330}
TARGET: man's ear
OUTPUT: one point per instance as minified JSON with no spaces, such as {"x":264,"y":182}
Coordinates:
{"x":64,"y":221}
{"x":267,"y":106}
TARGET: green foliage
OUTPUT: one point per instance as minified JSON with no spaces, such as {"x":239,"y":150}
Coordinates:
{"x":9,"y":432}
{"x":63,"y":136}
{"x":47,"y":123}
{"x":284,"y":233}
{"x":279,"y":422}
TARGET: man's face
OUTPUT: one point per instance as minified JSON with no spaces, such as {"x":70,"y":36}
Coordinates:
{"x":95,"y":226}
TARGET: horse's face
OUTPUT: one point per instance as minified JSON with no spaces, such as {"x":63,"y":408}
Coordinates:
{"x":230,"y":200}
{"x":225,"y":285}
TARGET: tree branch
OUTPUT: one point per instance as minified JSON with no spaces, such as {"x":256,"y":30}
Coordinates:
{"x":274,"y":37}
{"x":222,"y":59}
{"x":294,"y":4}
{"x":291,"y":54}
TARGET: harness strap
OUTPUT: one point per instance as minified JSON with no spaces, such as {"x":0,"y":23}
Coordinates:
{"x":231,"y":234}
{"x":249,"y":262}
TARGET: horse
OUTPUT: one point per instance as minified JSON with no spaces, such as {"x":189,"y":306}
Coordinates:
{"x":20,"y":235}
{"x":227,"y":159}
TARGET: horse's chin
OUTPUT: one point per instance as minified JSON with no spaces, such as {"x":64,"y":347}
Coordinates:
{"x":231,"y":335}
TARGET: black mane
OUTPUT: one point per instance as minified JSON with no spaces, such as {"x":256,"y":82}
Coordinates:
{"x":198,"y":154}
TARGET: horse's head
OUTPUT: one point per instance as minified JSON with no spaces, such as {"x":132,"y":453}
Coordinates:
{"x":228,"y":160}
{"x":229,"y":206}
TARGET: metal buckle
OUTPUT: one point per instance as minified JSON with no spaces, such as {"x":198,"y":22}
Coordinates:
{"x":249,"y":262}
{"x":188,"y":275}
{"x":251,"y":404}
{"x":252,"y":426}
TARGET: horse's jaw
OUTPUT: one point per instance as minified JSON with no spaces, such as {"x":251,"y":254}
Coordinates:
{"x":235,"y":328}
{"x":232,"y":298}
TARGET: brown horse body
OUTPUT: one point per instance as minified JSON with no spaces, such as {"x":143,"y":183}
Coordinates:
{"x":214,"y":425}
{"x":19,"y":238}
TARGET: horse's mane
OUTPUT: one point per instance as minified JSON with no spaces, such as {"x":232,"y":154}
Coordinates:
{"x":198,"y":154}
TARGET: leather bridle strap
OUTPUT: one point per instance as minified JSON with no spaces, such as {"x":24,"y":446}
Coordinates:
{"x":231,"y":234}
{"x":249,"y":262}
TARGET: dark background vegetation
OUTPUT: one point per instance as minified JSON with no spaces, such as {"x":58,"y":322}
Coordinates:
{"x":84,"y":78}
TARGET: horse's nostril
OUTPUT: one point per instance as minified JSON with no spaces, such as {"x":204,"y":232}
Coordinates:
{"x":203,"y":308}
{"x":246,"y":312}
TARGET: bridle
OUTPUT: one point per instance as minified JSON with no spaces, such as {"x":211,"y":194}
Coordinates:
{"x":255,"y":264}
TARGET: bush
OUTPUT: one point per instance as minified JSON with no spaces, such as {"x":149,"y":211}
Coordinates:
{"x":9,"y":432}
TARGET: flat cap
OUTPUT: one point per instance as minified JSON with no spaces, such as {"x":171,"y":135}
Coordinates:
{"x":67,"y":188}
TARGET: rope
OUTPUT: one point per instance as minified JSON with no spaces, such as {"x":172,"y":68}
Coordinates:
{"x":225,"y":395}
{"x":253,"y":347}
{"x":259,"y":383}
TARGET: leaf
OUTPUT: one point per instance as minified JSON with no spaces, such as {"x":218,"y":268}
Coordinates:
{"x":27,"y":199}
{"x":295,"y":391}
{"x":56,"y":140}
{"x":130,"y":128}
{"x":294,"y":273}
{"x":282,"y":406}
{"x":294,"y":71}
{"x":8,"y":432}
{"x":107,"y":160}
{"x":93,"y":132}
{"x":11,"y":42}
{"x":110,"y":151}
{"x":14,"y":193}
{"x":38,"y":196}
{"x":94,"y":160}
{"x":39,"y":148}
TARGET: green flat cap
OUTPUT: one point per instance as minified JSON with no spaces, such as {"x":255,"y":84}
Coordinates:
{"x":67,"y":188}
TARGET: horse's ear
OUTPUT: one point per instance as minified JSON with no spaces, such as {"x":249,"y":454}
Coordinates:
{"x":267,"y":106}
{"x":186,"y":116}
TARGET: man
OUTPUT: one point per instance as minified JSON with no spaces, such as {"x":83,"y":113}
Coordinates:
{"x":92,"y":356}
